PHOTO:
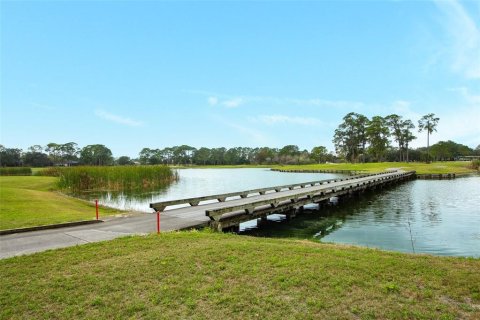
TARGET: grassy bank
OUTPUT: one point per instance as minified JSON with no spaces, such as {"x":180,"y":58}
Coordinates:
{"x":458,"y":167}
{"x":32,"y":201}
{"x":216,"y":276}
{"x":115,"y":178}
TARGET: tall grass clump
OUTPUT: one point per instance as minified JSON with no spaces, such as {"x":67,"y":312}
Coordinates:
{"x":49,"y":172}
{"x":15,"y":171}
{"x":121,"y":178}
{"x":475,"y":164}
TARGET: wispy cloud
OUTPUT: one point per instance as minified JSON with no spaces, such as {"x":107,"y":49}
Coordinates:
{"x":234,"y":101}
{"x":464,"y":37}
{"x":253,"y":135}
{"x":117,"y":119}
{"x":467,"y":95}
{"x":283,"y":119}
{"x":213,"y":101}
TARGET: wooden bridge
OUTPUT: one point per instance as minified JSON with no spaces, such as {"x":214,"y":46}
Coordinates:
{"x":228,"y":210}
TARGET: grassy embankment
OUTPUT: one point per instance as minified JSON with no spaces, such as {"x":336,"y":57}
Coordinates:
{"x":36,"y":200}
{"x":219,"y":276}
{"x":33,"y":201}
{"x":457,"y":167}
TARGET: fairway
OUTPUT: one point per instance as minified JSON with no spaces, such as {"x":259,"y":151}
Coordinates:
{"x":201,"y":275}
{"x":28,"y":201}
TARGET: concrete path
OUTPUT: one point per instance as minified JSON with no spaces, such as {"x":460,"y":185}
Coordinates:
{"x":36,"y":241}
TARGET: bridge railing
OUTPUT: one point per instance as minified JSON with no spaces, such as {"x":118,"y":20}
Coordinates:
{"x":195,"y":201}
{"x":216,"y":214}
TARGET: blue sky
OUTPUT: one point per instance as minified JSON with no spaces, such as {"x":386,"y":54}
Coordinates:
{"x":154,"y":74}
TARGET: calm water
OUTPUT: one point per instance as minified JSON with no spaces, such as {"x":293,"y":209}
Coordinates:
{"x":439,"y":217}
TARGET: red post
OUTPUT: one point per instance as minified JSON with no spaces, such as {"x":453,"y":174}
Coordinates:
{"x":96,"y":208}
{"x":158,"y":221}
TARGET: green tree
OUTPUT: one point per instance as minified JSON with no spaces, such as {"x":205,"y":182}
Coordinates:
{"x":350,"y":137}
{"x":264,"y":155}
{"x":54,"y":152}
{"x":35,"y":158}
{"x":449,"y":150}
{"x":377,"y":134}
{"x":395,"y":123}
{"x":124,"y":161}
{"x":407,"y":135}
{"x":429,"y":124}
{"x":10,"y":157}
{"x":202,"y":156}
{"x":96,"y":155}
{"x":319,"y":154}
{"x":68,"y":152}
{"x":476,"y":152}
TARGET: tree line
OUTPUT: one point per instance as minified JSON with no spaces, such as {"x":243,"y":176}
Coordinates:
{"x":55,"y":154}
{"x":357,"y":139}
{"x":37,"y":156}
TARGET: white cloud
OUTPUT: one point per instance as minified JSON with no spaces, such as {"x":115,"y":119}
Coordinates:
{"x":464,"y":36}
{"x":213,"y":101}
{"x":233,"y":103}
{"x":117,"y":119}
{"x":282,"y":119}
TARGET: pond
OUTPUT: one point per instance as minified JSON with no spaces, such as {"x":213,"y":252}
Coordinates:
{"x":439,"y":217}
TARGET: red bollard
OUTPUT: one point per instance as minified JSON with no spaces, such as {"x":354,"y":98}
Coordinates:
{"x":158,"y":221}
{"x":96,"y":208}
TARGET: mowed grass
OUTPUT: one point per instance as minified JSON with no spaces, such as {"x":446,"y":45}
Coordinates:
{"x":32,"y":201}
{"x":201,"y":275}
{"x":458,"y":167}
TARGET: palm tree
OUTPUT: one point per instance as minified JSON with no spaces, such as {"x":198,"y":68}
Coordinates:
{"x":407,"y":135}
{"x":428,"y":123}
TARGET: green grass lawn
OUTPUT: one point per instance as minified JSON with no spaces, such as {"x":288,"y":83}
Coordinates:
{"x":202,"y":275}
{"x":31,"y":201}
{"x":458,"y":167}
